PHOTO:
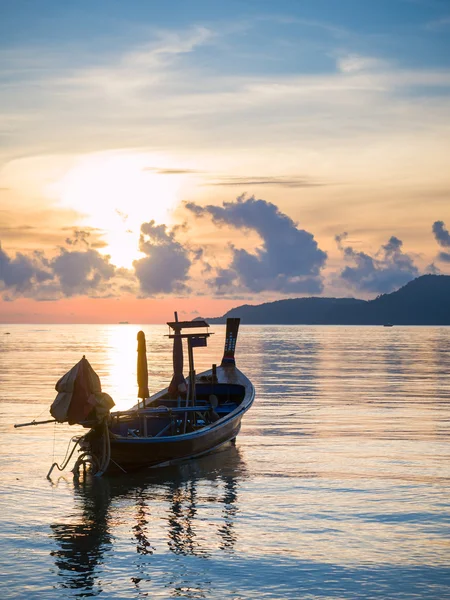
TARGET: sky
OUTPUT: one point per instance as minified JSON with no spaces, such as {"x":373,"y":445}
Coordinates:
{"x":196,"y":155}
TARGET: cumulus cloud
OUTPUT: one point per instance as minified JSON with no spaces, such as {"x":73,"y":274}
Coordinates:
{"x":441,"y":234}
{"x":69,"y":273}
{"x":222,"y":280}
{"x":82,"y":272}
{"x":20,"y":274}
{"x":387,"y":270}
{"x":289,"y":259}
{"x":443,"y":239}
{"x":80,"y":269}
{"x":165,"y":267}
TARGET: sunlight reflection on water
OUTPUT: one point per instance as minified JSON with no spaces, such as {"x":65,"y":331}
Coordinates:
{"x":338,"y":486}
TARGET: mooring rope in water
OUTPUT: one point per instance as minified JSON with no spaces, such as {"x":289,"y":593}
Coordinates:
{"x":87,"y":456}
{"x":66,"y":460}
{"x":54,"y":442}
{"x":73,"y":439}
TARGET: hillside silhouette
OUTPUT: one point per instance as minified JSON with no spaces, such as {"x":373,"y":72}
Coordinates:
{"x":423,"y":301}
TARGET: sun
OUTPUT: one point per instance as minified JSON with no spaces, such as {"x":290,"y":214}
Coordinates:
{"x":116,"y":192}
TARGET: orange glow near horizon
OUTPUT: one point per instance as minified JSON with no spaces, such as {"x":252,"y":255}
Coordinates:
{"x":111,"y":310}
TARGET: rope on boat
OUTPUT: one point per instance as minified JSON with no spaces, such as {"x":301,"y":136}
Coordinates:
{"x":106,"y":450}
{"x":65,"y":462}
{"x":88,"y":457}
{"x":84,"y":459}
{"x":99,"y":465}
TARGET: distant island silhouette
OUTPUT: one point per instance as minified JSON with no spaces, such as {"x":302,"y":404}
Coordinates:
{"x":423,"y":301}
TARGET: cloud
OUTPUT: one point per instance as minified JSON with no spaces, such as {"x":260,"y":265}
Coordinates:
{"x":20,"y":274}
{"x":441,"y":234}
{"x":82,"y":272}
{"x":180,"y":171}
{"x":289,"y":259}
{"x":79,"y":269}
{"x":79,"y":237}
{"x":165,"y":267}
{"x":19,"y":232}
{"x":387,"y":270}
{"x":69,"y":273}
{"x":141,"y":67}
{"x":173,"y":90}
{"x":355,"y":63}
{"x":278,"y":181}
{"x":443,"y":239}
{"x":223,"y":280}
{"x":432,"y":269}
{"x":438,"y":24}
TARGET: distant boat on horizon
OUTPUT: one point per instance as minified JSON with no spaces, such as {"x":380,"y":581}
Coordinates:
{"x":388,"y":325}
{"x":123,"y":323}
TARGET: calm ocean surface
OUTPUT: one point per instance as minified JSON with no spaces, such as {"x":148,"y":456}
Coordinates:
{"x":338,"y":486}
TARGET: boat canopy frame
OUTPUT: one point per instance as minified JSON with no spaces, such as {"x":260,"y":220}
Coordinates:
{"x":194,"y":340}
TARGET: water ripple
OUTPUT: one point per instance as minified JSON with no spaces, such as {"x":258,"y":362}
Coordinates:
{"x":338,"y":486}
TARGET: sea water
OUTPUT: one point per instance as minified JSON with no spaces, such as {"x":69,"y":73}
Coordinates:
{"x":338,"y":486}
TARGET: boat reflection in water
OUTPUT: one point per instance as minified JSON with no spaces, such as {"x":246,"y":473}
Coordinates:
{"x":187,"y":509}
{"x":82,"y":544}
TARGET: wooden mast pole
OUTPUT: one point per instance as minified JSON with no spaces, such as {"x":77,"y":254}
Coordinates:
{"x":191,"y":376}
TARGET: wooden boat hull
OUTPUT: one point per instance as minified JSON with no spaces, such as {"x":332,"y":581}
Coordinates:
{"x":137,"y":453}
{"x":132,"y":453}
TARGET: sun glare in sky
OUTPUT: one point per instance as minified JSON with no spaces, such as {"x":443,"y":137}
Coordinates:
{"x":116,"y":193}
{"x":290,"y":148}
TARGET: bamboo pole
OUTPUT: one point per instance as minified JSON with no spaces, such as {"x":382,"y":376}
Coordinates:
{"x":35,"y":423}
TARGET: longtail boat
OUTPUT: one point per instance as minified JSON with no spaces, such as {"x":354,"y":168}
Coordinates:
{"x":189,"y":418}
